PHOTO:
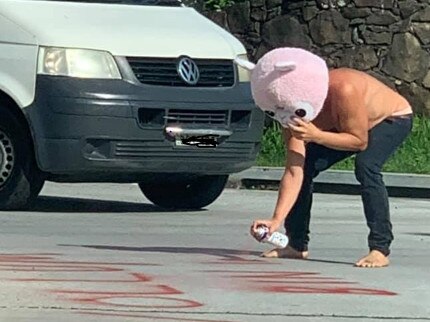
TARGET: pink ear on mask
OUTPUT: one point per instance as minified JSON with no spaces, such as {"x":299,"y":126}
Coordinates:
{"x":285,"y":66}
{"x":286,"y":78}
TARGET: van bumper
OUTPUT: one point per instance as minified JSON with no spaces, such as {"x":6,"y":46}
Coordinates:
{"x":113,"y":130}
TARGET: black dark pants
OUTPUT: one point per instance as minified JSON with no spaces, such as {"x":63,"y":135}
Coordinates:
{"x":384,"y":139}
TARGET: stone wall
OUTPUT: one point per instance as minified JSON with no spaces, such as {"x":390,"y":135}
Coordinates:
{"x":390,"y":39}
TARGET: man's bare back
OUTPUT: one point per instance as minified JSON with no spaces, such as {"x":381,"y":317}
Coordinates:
{"x":379,"y":100}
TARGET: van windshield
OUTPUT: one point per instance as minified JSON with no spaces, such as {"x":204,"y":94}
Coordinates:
{"x":169,"y":3}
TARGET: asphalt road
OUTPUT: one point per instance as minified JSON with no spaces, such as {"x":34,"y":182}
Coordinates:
{"x":101,"y":252}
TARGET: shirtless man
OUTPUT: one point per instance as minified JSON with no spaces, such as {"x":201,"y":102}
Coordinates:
{"x":361,"y":116}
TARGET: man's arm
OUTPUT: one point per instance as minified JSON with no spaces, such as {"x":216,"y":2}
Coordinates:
{"x":352,"y":118}
{"x":290,"y":184}
{"x":292,"y":179}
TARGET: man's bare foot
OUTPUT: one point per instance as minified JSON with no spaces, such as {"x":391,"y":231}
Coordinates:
{"x":373,"y":259}
{"x":287,"y":252}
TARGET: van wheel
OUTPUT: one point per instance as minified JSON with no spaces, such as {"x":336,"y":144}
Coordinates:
{"x":20,"y":179}
{"x":190,"y":193}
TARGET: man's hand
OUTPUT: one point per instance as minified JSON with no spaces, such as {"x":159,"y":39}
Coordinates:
{"x":305,"y":131}
{"x":272,"y":224}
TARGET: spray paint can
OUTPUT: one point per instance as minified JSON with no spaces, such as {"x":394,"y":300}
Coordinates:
{"x":277,"y":239}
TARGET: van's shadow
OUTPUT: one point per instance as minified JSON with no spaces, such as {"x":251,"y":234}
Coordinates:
{"x":71,"y":205}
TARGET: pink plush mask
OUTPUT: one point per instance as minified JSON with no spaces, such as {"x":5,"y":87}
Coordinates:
{"x":288,"y":83}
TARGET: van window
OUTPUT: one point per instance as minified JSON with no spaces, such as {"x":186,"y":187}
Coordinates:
{"x":168,"y":3}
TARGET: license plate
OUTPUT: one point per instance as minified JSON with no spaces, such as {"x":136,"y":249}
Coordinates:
{"x":207,"y":141}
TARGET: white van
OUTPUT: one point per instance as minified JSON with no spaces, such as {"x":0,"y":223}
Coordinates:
{"x":141,"y":91}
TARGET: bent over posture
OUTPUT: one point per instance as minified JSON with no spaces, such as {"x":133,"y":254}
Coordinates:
{"x":354,"y":113}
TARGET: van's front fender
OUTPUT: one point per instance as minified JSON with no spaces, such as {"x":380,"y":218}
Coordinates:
{"x":18,"y":68}
{"x":18,"y":60}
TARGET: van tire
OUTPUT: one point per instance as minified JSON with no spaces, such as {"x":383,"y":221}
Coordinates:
{"x":191,"y":193}
{"x":20,"y":179}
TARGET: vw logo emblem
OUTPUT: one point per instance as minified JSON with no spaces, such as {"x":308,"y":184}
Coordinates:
{"x":188,"y":71}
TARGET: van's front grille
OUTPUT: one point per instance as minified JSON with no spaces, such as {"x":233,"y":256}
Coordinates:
{"x":163,"y":72}
{"x":221,"y":118}
{"x":197,"y":117}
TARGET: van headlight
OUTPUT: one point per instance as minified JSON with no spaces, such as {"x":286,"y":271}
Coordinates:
{"x":82,"y":63}
{"x":244,"y":74}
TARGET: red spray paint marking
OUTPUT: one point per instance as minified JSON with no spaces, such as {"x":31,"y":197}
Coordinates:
{"x":148,"y":292}
{"x":138,"y":277}
{"x":24,"y":263}
{"x":153,"y":290}
{"x":38,"y":263}
{"x":45,"y":260}
{"x":269,"y":282}
{"x":307,"y":282}
{"x":274,"y":276}
{"x":150,"y":317}
{"x":257,"y":272}
{"x":287,"y":275}
{"x":55,"y":268}
{"x":106,"y":299}
{"x":327,"y":290}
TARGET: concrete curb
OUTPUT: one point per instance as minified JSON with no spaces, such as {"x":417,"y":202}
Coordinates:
{"x":334,"y":181}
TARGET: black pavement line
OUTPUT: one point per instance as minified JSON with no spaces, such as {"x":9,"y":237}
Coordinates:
{"x":367,"y":317}
{"x":270,"y":314}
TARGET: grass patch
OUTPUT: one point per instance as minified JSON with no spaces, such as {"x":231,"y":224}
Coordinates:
{"x":412,"y":157}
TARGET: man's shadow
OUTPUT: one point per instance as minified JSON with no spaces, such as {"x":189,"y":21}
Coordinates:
{"x":223,"y":253}
{"x":78,"y":205}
